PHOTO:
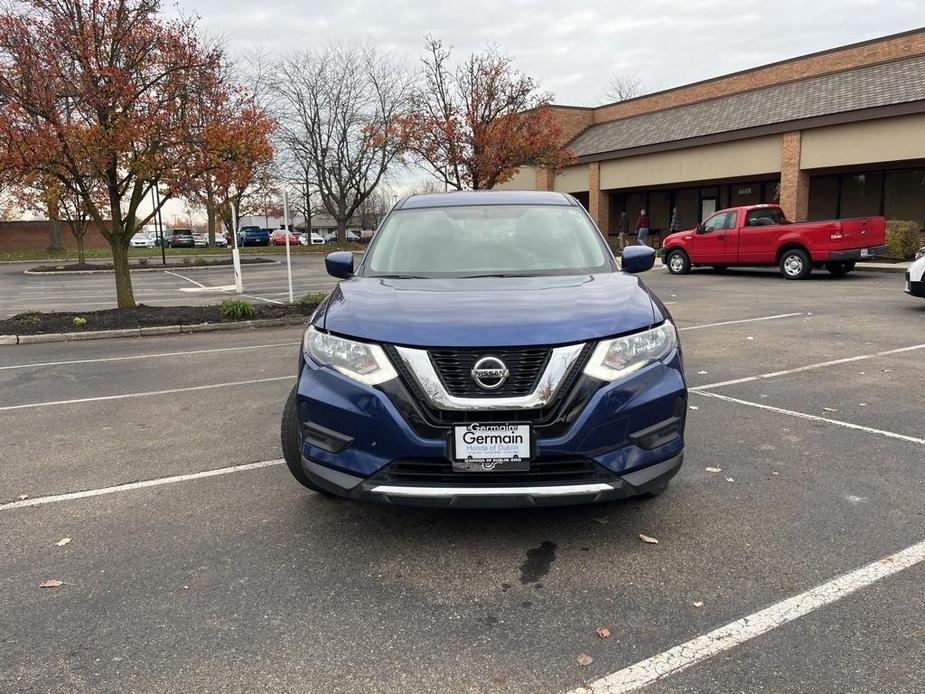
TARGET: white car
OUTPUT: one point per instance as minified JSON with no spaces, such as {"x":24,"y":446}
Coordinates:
{"x":200,"y":240}
{"x":915,"y":275}
{"x":220,"y":241}
{"x":141,"y":240}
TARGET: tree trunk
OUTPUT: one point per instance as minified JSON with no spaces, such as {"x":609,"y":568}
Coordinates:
{"x":54,"y":236}
{"x":54,"y":227}
{"x":341,"y":231}
{"x":210,"y":217}
{"x":125,"y":296}
{"x":80,"y":246}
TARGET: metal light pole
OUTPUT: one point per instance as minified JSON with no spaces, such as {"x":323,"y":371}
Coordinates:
{"x":160,"y":223}
{"x":286,"y":230}
{"x":235,"y":254}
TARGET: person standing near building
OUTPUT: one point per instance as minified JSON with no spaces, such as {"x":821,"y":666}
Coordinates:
{"x":675,"y":224}
{"x":642,"y":227}
{"x":623,"y":228}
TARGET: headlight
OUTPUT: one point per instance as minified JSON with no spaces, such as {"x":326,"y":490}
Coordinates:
{"x":920,"y":253}
{"x":615,"y":358}
{"x":360,"y":361}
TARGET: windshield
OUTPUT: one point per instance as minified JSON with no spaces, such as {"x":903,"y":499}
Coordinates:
{"x":487,"y":240}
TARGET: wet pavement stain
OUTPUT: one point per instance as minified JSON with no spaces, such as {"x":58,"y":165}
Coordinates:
{"x":539,"y":559}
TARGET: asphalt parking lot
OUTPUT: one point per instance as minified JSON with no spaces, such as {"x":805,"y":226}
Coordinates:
{"x":804,"y":464}
{"x":180,"y":286}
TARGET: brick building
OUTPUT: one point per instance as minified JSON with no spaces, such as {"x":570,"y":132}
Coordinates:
{"x":838,"y":133}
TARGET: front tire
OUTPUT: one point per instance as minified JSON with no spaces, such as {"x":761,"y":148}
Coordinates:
{"x":795,"y":264}
{"x":840,"y":268}
{"x":677,"y":262}
{"x":290,"y":435}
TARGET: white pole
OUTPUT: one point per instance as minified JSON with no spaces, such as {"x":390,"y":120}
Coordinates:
{"x":288,"y":259}
{"x":235,"y":254}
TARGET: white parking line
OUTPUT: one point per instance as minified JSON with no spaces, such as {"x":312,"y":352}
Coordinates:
{"x":810,"y":417}
{"x":744,"y":320}
{"x":810,"y":367}
{"x":42,"y":500}
{"x":681,"y":657}
{"x":145,"y":394}
{"x":182,"y":277}
{"x":147,"y":356}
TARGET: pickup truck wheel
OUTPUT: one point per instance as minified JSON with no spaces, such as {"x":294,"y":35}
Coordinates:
{"x":677,"y":262}
{"x":840,"y":268}
{"x":795,"y":264}
{"x":291,"y":439}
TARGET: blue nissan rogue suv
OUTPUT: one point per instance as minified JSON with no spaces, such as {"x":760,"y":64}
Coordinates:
{"x":488,"y":352}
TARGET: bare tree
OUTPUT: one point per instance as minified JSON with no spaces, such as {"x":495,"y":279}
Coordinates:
{"x":340,"y":107}
{"x":374,"y":209}
{"x":624,"y":86}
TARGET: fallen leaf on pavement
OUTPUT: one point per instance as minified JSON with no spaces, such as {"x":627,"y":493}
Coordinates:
{"x":648,"y":540}
{"x":713,"y":469}
{"x":603,"y":632}
{"x":22,"y":497}
{"x":749,"y":338}
{"x":702,"y":373}
{"x":584,"y":660}
{"x":53,"y":583}
{"x":693,"y":407}
{"x":729,"y":479}
{"x":63,"y":541}
{"x":699,"y":603}
{"x":830,"y":409}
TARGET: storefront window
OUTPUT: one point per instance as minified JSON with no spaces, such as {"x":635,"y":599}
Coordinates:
{"x":744,"y":194}
{"x":904,"y":196}
{"x":861,"y":195}
{"x":686,"y":202}
{"x":823,"y":197}
{"x":659,"y":210}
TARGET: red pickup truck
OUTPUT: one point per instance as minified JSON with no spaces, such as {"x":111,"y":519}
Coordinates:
{"x":761,"y":235}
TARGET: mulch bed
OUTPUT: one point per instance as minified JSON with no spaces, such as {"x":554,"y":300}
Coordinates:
{"x":34,"y":323}
{"x":150,"y":265}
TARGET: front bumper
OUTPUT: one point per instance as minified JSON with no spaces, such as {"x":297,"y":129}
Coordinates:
{"x":914,"y":288}
{"x":601,"y":441}
{"x":859,"y":253}
{"x":460,"y":495}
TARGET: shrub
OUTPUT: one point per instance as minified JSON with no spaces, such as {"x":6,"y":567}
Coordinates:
{"x":142,"y":261}
{"x":313,"y":298}
{"x":237,"y":309}
{"x":79,"y":321}
{"x":29,"y":318}
{"x":186,"y":260}
{"x":200,"y":260}
{"x":902,"y":237}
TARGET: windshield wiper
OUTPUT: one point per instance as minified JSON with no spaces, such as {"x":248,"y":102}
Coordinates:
{"x":497,"y":274}
{"x":401,"y":277}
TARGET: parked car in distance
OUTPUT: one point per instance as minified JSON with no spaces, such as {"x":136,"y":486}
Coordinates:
{"x":181,"y":238}
{"x":278,"y":238}
{"x":313,"y":239}
{"x":141,"y":240}
{"x":201,"y":240}
{"x":761,"y":235}
{"x":220,"y":241}
{"x":429,"y":376}
{"x":915,"y":275}
{"x":253,"y":236}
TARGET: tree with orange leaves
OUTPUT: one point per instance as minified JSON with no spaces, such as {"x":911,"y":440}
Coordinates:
{"x":476,"y":125}
{"x":105,"y":91}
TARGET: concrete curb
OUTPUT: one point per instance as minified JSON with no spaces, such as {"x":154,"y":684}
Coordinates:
{"x":153,"y":330}
{"x":161,"y":268}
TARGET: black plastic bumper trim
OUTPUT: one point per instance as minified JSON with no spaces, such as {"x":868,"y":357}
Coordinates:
{"x":855,"y":253}
{"x":324,"y":438}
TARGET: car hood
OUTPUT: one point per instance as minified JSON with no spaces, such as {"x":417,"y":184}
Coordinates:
{"x":489,"y":312}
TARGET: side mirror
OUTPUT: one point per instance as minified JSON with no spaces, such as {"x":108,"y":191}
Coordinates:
{"x":339,"y":264}
{"x":638,"y":259}
{"x":700,"y":228}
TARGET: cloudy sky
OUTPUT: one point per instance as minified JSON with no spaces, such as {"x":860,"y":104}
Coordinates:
{"x":572,"y":46}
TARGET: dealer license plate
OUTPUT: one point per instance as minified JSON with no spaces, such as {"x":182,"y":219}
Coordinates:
{"x":491,"y":447}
